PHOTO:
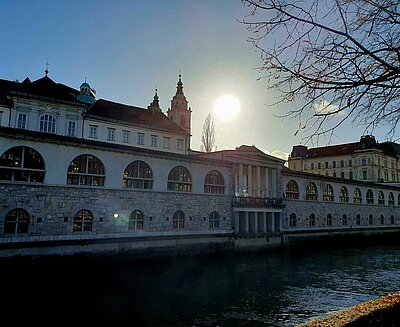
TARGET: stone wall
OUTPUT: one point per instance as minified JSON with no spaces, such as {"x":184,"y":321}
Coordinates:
{"x":52,"y":210}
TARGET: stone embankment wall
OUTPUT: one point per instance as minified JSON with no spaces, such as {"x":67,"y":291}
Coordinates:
{"x":52,"y":210}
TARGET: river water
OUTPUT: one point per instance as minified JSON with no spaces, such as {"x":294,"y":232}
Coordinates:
{"x":280,"y":288}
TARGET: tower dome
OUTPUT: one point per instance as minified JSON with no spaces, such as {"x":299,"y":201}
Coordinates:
{"x":87,"y":94}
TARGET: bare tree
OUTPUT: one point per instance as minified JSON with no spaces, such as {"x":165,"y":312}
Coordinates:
{"x":208,"y":135}
{"x":340,"y":59}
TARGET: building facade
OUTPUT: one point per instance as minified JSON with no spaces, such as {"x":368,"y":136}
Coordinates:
{"x":323,"y":203}
{"x":80,"y":174}
{"x":366,"y":160}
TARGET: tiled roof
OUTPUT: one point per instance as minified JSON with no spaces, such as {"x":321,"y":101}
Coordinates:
{"x":112,"y":111}
{"x":43,"y":87}
{"x":334,"y":150}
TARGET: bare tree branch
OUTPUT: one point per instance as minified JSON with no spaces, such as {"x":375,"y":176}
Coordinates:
{"x":208,"y":135}
{"x":343,"y":53}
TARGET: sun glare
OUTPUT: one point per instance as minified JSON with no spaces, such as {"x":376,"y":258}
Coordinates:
{"x":226,"y":108}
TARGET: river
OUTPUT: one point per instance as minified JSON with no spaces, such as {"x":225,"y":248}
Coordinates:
{"x":280,"y":288}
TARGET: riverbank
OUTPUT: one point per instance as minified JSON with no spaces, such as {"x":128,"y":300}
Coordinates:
{"x":382,"y":312}
{"x":194,"y":244}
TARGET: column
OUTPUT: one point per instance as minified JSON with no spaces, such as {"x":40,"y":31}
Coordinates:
{"x":278,"y":222}
{"x":264,"y":222}
{"x":272,"y":222}
{"x":237,"y":222}
{"x":259,"y":192}
{"x":256,"y":222}
{"x":246,"y":222}
{"x":240,"y":179}
{"x":267,"y":192}
{"x":273,"y":183}
{"x":249,"y":180}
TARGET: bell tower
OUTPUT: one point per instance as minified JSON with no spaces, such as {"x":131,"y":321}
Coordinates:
{"x":179,"y":112}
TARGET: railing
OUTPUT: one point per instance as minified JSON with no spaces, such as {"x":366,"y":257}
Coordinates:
{"x":253,"y":202}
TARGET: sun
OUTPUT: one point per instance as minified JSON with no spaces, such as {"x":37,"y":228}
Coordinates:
{"x":226,"y":108}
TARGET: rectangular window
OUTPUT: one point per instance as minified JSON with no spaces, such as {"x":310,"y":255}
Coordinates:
{"x":334,"y":164}
{"x":341,"y":163}
{"x":364,"y":161}
{"x":140,"y":138}
{"x":326,"y":164}
{"x":350,"y":163}
{"x":21,"y":123}
{"x":111,"y":134}
{"x":71,"y":128}
{"x":312,"y":165}
{"x":179,"y":145}
{"x":166,"y":142}
{"x":319,"y":165}
{"x":93,"y":131}
{"x":154,"y":141}
{"x":126,"y":136}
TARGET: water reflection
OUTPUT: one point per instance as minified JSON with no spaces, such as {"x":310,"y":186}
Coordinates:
{"x":267,"y":289}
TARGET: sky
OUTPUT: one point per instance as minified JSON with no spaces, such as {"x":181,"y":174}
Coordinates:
{"x":127,"y":48}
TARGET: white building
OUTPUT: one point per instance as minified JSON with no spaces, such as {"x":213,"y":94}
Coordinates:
{"x":366,"y":160}
{"x":80,"y":174}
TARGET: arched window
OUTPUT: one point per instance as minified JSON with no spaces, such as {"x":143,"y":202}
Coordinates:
{"x":381,"y":198}
{"x":183,"y":121}
{"x":328,"y":193}
{"x":178,"y":220}
{"x":86,"y":170}
{"x":292,"y":190}
{"x":357,"y":195}
{"x":364,"y":174}
{"x":83,"y":221}
{"x":214,"y":183}
{"x":344,"y":194}
{"x":311,"y":220}
{"x":179,"y":179}
{"x":292,"y":220}
{"x":344,"y":219}
{"x":213,"y":220}
{"x":382,"y":219}
{"x":136,"y":220}
{"x":370,"y":197}
{"x":358,"y":219}
{"x":392,"y":219}
{"x":311,"y":192}
{"x":391,"y":199}
{"x":370,"y":219}
{"x":22,"y":164}
{"x":329,"y":220}
{"x":47,"y":123}
{"x":16,"y":221}
{"x":138,"y":174}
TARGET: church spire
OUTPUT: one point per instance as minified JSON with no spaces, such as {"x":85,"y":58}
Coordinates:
{"x":179,"y":87}
{"x":155,"y":105}
{"x":179,"y":111}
